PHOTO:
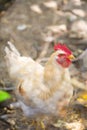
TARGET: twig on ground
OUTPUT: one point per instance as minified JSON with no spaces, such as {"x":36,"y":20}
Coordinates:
{"x":4,"y":119}
{"x":70,"y":11}
{"x":43,"y":52}
{"x":7,"y":89}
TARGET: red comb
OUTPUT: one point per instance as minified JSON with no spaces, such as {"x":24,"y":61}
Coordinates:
{"x":63,"y":47}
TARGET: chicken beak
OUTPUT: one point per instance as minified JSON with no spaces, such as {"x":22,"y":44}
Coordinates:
{"x":71,"y":57}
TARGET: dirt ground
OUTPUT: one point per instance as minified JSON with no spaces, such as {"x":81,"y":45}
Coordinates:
{"x":33,"y":27}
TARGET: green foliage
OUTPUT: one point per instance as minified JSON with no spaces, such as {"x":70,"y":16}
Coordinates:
{"x":4,"y":95}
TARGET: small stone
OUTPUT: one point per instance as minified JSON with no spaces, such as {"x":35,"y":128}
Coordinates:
{"x":11,"y":106}
{"x":72,"y":17}
{"x":77,"y":2}
{"x":12,"y":122}
{"x":36,"y":9}
{"x":51,"y":4}
{"x":21,"y":27}
{"x":5,"y":108}
{"x":79,"y":29}
{"x":79,"y":12}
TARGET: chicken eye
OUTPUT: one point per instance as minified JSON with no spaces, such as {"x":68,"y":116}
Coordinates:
{"x":60,"y":55}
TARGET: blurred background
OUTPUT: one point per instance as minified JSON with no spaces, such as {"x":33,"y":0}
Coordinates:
{"x":34,"y":26}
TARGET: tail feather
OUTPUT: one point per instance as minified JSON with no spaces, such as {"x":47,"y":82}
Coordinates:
{"x":12,"y":56}
{"x":11,"y":49}
{"x":7,"y":50}
{"x":12,"y":59}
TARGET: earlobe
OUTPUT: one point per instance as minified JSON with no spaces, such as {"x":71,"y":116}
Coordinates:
{"x":56,"y":57}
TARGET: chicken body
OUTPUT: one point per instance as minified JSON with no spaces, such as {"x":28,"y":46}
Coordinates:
{"x":40,"y":90}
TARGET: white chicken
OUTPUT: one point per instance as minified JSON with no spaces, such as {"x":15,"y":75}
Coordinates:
{"x":41,"y":90}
